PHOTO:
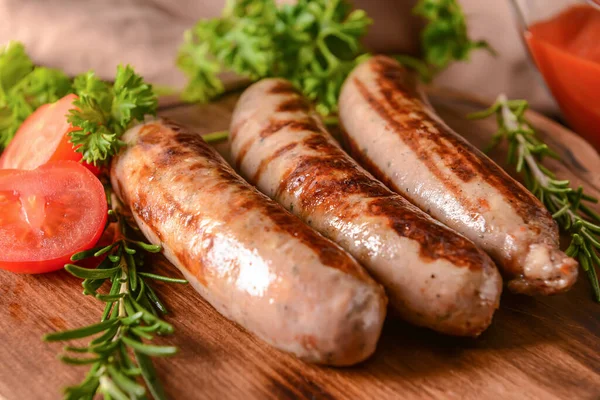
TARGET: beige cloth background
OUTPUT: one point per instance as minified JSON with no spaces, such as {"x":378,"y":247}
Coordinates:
{"x":78,"y":35}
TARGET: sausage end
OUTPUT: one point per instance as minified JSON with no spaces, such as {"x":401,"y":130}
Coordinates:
{"x":546,"y":271}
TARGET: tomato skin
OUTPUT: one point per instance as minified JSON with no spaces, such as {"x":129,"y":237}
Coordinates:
{"x":44,"y":137}
{"x":66,"y":213}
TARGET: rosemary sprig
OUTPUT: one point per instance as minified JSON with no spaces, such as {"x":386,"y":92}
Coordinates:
{"x":568,"y":205}
{"x":132,"y":313}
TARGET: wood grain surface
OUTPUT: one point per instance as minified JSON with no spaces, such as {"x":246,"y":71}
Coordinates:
{"x":536,"y":348}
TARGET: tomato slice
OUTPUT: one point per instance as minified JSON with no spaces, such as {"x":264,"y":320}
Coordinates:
{"x":43,"y":137}
{"x":48,"y":214}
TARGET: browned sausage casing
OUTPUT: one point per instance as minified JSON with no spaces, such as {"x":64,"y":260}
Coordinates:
{"x":434,"y":276}
{"x":402,"y":142}
{"x":257,"y":264}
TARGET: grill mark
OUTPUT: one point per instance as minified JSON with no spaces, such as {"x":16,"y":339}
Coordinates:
{"x":447,"y":145}
{"x":327,"y":181}
{"x":272,"y":127}
{"x":436,"y":241}
{"x":242,"y":153}
{"x":414,"y":142}
{"x":149,"y":133}
{"x":233,"y":131}
{"x":397,"y":75}
{"x":463,"y":171}
{"x":329,"y":253}
{"x":296,"y":103}
{"x":462,"y":162}
{"x":154,"y":215}
{"x":306,"y":124}
{"x":266,"y":161}
{"x":146,"y":213}
{"x":179,"y":146}
{"x":282,"y":87}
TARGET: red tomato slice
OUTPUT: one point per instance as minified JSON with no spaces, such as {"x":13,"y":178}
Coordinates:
{"x":48,"y":214}
{"x":43,"y":137}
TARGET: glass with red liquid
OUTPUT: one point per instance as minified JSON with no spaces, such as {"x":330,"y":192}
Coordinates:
{"x":563,"y":38}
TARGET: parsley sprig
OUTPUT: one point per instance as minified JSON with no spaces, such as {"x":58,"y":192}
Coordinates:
{"x":104,"y":111}
{"x":444,"y":38}
{"x":119,"y":355}
{"x":314,"y":44}
{"x":25,"y":87}
{"x":568,"y":205}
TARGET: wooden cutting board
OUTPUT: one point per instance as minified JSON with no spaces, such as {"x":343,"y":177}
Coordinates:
{"x":536,"y":348}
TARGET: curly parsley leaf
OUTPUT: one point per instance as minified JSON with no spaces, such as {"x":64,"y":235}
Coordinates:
{"x":89,"y":85}
{"x":314,"y":44}
{"x":244,"y":37}
{"x":322,"y":41}
{"x":240,"y":40}
{"x":25,"y":87}
{"x":133,"y":98}
{"x":15,"y":64}
{"x":196,"y":62}
{"x":444,"y":39}
{"x":104,"y":112}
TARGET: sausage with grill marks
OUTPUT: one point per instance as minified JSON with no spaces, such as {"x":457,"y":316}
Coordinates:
{"x":434,"y":276}
{"x":257,"y":264}
{"x":396,"y":136}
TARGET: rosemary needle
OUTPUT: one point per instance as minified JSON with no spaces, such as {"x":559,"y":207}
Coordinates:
{"x":568,"y":205}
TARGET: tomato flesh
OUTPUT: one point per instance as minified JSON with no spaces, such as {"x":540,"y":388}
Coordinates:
{"x":43,"y":137}
{"x":48,"y":214}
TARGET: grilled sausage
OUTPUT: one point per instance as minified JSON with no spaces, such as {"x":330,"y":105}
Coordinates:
{"x":402,"y":142}
{"x":257,"y":264}
{"x":434,"y":277}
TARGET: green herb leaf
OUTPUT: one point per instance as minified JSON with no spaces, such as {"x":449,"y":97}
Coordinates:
{"x":15,"y":65}
{"x":150,"y":377}
{"x":150,"y":350}
{"x":133,"y":98}
{"x":24,"y":88}
{"x":125,"y":383}
{"x":87,"y":273}
{"x":103,"y":113}
{"x":314,"y":44}
{"x":162,"y":278}
{"x":79,"y":361}
{"x":444,"y":39}
{"x":84,"y":390}
{"x":81,"y":332}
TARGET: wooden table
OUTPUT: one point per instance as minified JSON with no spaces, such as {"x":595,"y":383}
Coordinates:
{"x":536,"y":348}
